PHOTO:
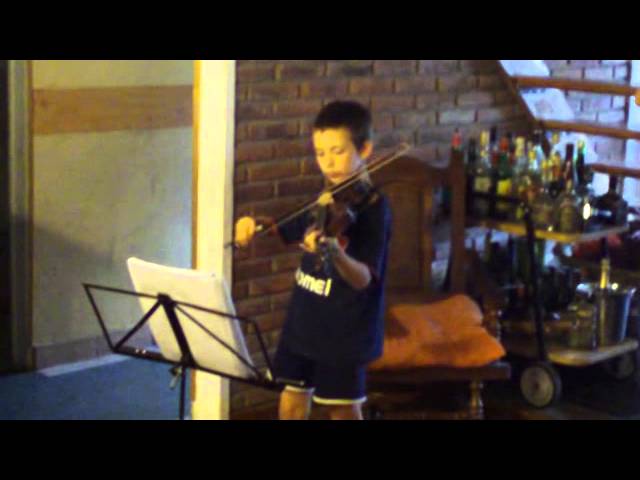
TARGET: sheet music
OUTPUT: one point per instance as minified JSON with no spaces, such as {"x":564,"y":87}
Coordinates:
{"x":203,"y":290}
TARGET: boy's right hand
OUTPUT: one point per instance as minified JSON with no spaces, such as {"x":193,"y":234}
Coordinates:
{"x":245,"y":230}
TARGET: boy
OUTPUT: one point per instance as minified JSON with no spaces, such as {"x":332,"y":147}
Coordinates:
{"x":334,"y":325}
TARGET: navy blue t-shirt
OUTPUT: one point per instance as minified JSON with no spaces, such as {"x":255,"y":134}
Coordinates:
{"x":328,"y":320}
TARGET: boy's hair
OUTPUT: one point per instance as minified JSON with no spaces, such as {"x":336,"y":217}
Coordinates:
{"x":347,"y":114}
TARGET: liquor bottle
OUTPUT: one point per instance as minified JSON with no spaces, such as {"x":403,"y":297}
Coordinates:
{"x":503,"y":176}
{"x":522,"y":181}
{"x":611,"y":209}
{"x":583,"y":189}
{"x":471,"y":161}
{"x":482,"y":178}
{"x":568,"y":211}
{"x":543,"y":206}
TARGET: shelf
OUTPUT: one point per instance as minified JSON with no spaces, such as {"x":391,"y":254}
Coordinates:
{"x":518,"y":229}
{"x":568,"y":357}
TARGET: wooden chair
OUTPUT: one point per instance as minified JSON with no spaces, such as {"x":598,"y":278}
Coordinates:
{"x":409,"y":183}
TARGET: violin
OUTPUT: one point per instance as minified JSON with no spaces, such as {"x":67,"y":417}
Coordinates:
{"x":349,"y":196}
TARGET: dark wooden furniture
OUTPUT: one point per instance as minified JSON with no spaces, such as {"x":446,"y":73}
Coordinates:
{"x":410,"y":183}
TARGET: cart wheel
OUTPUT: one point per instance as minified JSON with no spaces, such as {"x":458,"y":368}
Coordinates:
{"x":540,"y":385}
{"x":621,"y":367}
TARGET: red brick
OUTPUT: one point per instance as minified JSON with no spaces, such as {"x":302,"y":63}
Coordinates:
{"x":253,"y":192}
{"x":490,"y":82}
{"x":273,"y":284}
{"x":602,"y":74}
{"x":414,"y":119}
{"x":349,"y":68}
{"x":240,"y":291}
{"x":437,"y":66}
{"x":553,"y":64}
{"x":254,"y":152}
{"x":420,"y":84}
{"x":575,"y":104}
{"x":504,"y":96}
{"x":436,"y":100}
{"x":293,"y":148}
{"x":240,"y":174}
{"x":619,"y":102}
{"x":300,"y":186}
{"x":271,"y":321}
{"x":241,"y":133}
{"x":584,"y":63}
{"x":273,"y":91}
{"x":273,"y":170}
{"x":621,"y":72}
{"x":370,"y":86}
{"x":496,"y":114}
{"x":392,"y":104}
{"x":613,"y":116}
{"x":254,"y":70}
{"x":586,"y":116}
{"x":279,"y":206}
{"x":607,"y":145}
{"x":333,"y":88}
{"x":475,"y":99}
{"x":479,"y":66}
{"x":432,"y":135}
{"x":456,"y":117}
{"x":456,"y":82}
{"x":382,"y":123}
{"x":576,"y":73}
{"x":253,"y":306}
{"x":269,"y":246}
{"x":286,"y":263}
{"x":394,"y":67}
{"x":295,"y":69}
{"x":394,"y":138}
{"x":310,"y":167}
{"x":596,"y":103}
{"x":296,"y":108}
{"x":281,"y":300}
{"x":253,"y":111}
{"x":272,"y":130}
{"x":248,"y":269}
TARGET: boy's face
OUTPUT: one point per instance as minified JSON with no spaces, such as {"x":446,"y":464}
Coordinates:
{"x":336,"y":154}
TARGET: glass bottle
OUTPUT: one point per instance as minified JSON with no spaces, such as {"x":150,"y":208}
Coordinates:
{"x":482,"y":178}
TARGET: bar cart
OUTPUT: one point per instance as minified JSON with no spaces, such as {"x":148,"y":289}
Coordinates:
{"x":540,"y":382}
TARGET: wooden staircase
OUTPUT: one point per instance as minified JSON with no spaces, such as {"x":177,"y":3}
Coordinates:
{"x":518,"y":82}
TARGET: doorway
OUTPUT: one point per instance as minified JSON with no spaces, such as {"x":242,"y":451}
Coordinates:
{"x":5,"y":242}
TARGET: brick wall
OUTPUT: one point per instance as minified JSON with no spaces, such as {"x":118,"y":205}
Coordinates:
{"x":419,"y":101}
{"x":605,"y":109}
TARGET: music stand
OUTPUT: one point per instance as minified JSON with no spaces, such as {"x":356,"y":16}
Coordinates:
{"x":184,"y":326}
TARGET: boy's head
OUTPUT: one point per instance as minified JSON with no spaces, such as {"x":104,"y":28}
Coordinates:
{"x":342,"y":139}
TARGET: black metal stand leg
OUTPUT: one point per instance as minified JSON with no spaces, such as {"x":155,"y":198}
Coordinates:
{"x":537,"y":309}
{"x":183,"y":375}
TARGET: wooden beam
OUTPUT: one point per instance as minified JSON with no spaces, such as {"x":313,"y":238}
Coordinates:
{"x":591,"y":129}
{"x":111,"y":109}
{"x":576,"y":85}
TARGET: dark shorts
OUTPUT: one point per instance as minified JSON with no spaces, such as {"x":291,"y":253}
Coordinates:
{"x":330,"y":385}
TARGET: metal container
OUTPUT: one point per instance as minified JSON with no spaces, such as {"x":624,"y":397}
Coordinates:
{"x":613,"y":313}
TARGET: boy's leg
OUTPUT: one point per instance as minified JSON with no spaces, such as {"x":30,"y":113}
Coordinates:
{"x":295,"y":405}
{"x":342,"y":390}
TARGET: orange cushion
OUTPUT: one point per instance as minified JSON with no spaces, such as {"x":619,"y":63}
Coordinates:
{"x":446,"y":333}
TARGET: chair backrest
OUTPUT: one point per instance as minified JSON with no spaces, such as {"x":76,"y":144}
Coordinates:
{"x":410,"y":183}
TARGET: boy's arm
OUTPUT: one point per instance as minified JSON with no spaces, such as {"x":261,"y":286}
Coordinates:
{"x":355,"y":273}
